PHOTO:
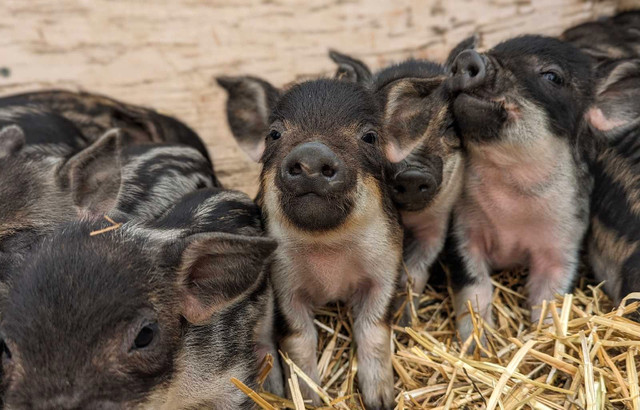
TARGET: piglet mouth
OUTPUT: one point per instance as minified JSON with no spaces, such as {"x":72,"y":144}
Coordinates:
{"x":491,"y":103}
{"x":313,"y":190}
{"x":312,"y":211}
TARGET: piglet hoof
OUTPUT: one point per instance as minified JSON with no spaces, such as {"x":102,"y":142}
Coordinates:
{"x":380,"y":401}
{"x":273,"y":385}
{"x":377,"y":394}
{"x":473,"y":346}
{"x":308,"y":395}
{"x":465,"y":331}
{"x":406,"y":319}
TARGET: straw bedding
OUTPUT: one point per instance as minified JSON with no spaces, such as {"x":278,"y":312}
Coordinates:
{"x":586,"y":357}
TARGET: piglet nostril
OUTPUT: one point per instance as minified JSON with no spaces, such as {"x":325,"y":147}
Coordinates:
{"x":469,"y":70}
{"x":296,"y":169}
{"x":328,"y":171}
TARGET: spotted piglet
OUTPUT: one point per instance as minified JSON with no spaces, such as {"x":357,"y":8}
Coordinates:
{"x":156,"y":315}
{"x":612,"y":243}
{"x":324,"y":198}
{"x":519,"y":109}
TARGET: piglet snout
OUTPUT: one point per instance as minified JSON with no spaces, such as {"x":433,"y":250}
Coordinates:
{"x":469,"y":70}
{"x":313,"y":167}
{"x":413,"y":189}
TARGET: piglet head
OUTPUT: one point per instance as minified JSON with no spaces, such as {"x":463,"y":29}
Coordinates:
{"x":321,"y":146}
{"x":522,"y":89}
{"x":99,"y":321}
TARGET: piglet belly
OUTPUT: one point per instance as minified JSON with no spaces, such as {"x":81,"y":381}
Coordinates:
{"x":510,"y":234}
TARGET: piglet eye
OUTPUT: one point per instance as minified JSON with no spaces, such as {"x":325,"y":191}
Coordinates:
{"x":552,"y":76}
{"x":274,"y":135}
{"x":145,"y":336}
{"x":370,"y":137}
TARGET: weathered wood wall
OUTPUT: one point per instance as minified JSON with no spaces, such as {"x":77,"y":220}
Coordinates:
{"x":165,"y":53}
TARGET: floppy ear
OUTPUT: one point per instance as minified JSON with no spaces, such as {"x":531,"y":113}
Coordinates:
{"x":216,"y":268}
{"x":249,"y":106}
{"x":617,"y":100}
{"x":349,"y":68}
{"x":412,"y":105}
{"x":94,"y":175}
{"x":468,"y":43}
{"x":12,"y":140}
{"x":624,"y":69}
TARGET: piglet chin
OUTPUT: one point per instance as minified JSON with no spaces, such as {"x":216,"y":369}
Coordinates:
{"x":313,"y":212}
{"x":479,"y":119}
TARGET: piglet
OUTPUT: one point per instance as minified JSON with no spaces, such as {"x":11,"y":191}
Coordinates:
{"x":519,"y":109}
{"x":154,"y":315}
{"x":614,"y":120}
{"x":609,"y":38}
{"x":325,"y":200}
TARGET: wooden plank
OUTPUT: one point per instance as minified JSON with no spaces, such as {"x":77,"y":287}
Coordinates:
{"x":165,"y":53}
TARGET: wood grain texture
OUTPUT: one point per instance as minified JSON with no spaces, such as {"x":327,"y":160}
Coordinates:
{"x":165,"y":53}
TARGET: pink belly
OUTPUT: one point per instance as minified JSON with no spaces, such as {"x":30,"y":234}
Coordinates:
{"x":507,"y":228}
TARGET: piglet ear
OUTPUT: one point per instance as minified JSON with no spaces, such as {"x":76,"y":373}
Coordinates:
{"x":468,"y":43}
{"x":217,"y":268}
{"x":12,"y":140}
{"x":249,"y":105}
{"x":602,"y":122}
{"x":404,"y":113}
{"x":617,"y":100}
{"x":93,"y":176}
{"x":349,"y":68}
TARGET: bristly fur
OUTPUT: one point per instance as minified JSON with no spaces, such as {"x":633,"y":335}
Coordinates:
{"x":71,"y":312}
{"x":525,"y":200}
{"x":345,"y":245}
{"x":94,"y":114}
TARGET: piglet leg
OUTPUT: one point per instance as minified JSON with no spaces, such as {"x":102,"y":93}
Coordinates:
{"x":419,"y":255}
{"x":266,"y":345}
{"x":301,"y":344}
{"x":471,"y":281}
{"x":372,"y":332}
{"x":550,"y":273}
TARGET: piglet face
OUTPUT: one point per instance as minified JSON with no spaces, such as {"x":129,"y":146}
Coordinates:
{"x":99,"y":321}
{"x":322,"y":147}
{"x":417,"y":120}
{"x":422,"y":142}
{"x":83,"y":328}
{"x":520,"y":90}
